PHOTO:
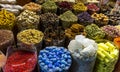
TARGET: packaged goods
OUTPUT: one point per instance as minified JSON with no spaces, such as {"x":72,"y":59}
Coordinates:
{"x":27,"y":20}
{"x":94,"y":32}
{"x":84,"y":53}
{"x":7,"y":20}
{"x":20,"y":61}
{"x":85,"y":18}
{"x":100,"y":19}
{"x":67,"y":19}
{"x":54,"y":59}
{"x":49,"y":6}
{"x":106,"y":58}
{"x":6,"y":39}
{"x":31,"y":37}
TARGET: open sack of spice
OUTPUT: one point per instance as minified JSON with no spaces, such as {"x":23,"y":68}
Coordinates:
{"x":2,"y":60}
{"x":19,"y":60}
{"x":16,"y":9}
{"x":6,"y":39}
{"x":54,"y":59}
{"x":84,"y":52}
{"x":107,"y":56}
{"x":33,"y":7}
{"x":30,"y":38}
{"x":54,"y":37}
{"x":27,"y":20}
{"x":8,"y":1}
{"x":7,"y":20}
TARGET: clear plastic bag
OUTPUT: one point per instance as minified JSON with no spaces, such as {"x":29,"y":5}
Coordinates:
{"x":19,"y":60}
{"x":84,"y":53}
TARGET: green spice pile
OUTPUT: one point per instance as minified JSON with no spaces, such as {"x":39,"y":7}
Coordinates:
{"x":67,"y":19}
{"x":79,"y":7}
{"x":27,"y":19}
{"x":30,"y":36}
{"x":94,"y":32}
{"x":75,"y":29}
{"x":49,"y":20}
{"x":6,"y":20}
{"x":100,"y":19}
{"x":54,"y":37}
{"x":49,"y":6}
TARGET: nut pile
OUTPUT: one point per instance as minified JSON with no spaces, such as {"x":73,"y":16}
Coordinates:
{"x":7,"y":20}
{"x":49,"y":6}
{"x":27,"y":19}
{"x":67,"y":19}
{"x":94,"y":32}
{"x":100,"y":19}
{"x":30,"y":36}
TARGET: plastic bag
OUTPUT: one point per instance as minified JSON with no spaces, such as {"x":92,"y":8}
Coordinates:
{"x":19,"y":60}
{"x":84,"y":53}
{"x":8,"y":1}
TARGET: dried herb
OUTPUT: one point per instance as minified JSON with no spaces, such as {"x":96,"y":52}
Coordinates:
{"x":111,"y":31}
{"x":49,"y":20}
{"x":6,"y":20}
{"x":6,"y":39}
{"x":64,"y":6}
{"x":75,"y":29}
{"x":33,"y":7}
{"x":85,"y":18}
{"x":67,"y":19}
{"x":27,"y":20}
{"x":54,"y":37}
{"x":94,"y":32}
{"x":79,"y":7}
{"x":49,"y":6}
{"x":30,"y":36}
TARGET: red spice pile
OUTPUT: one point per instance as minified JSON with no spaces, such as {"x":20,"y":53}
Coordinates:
{"x":21,"y":61}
